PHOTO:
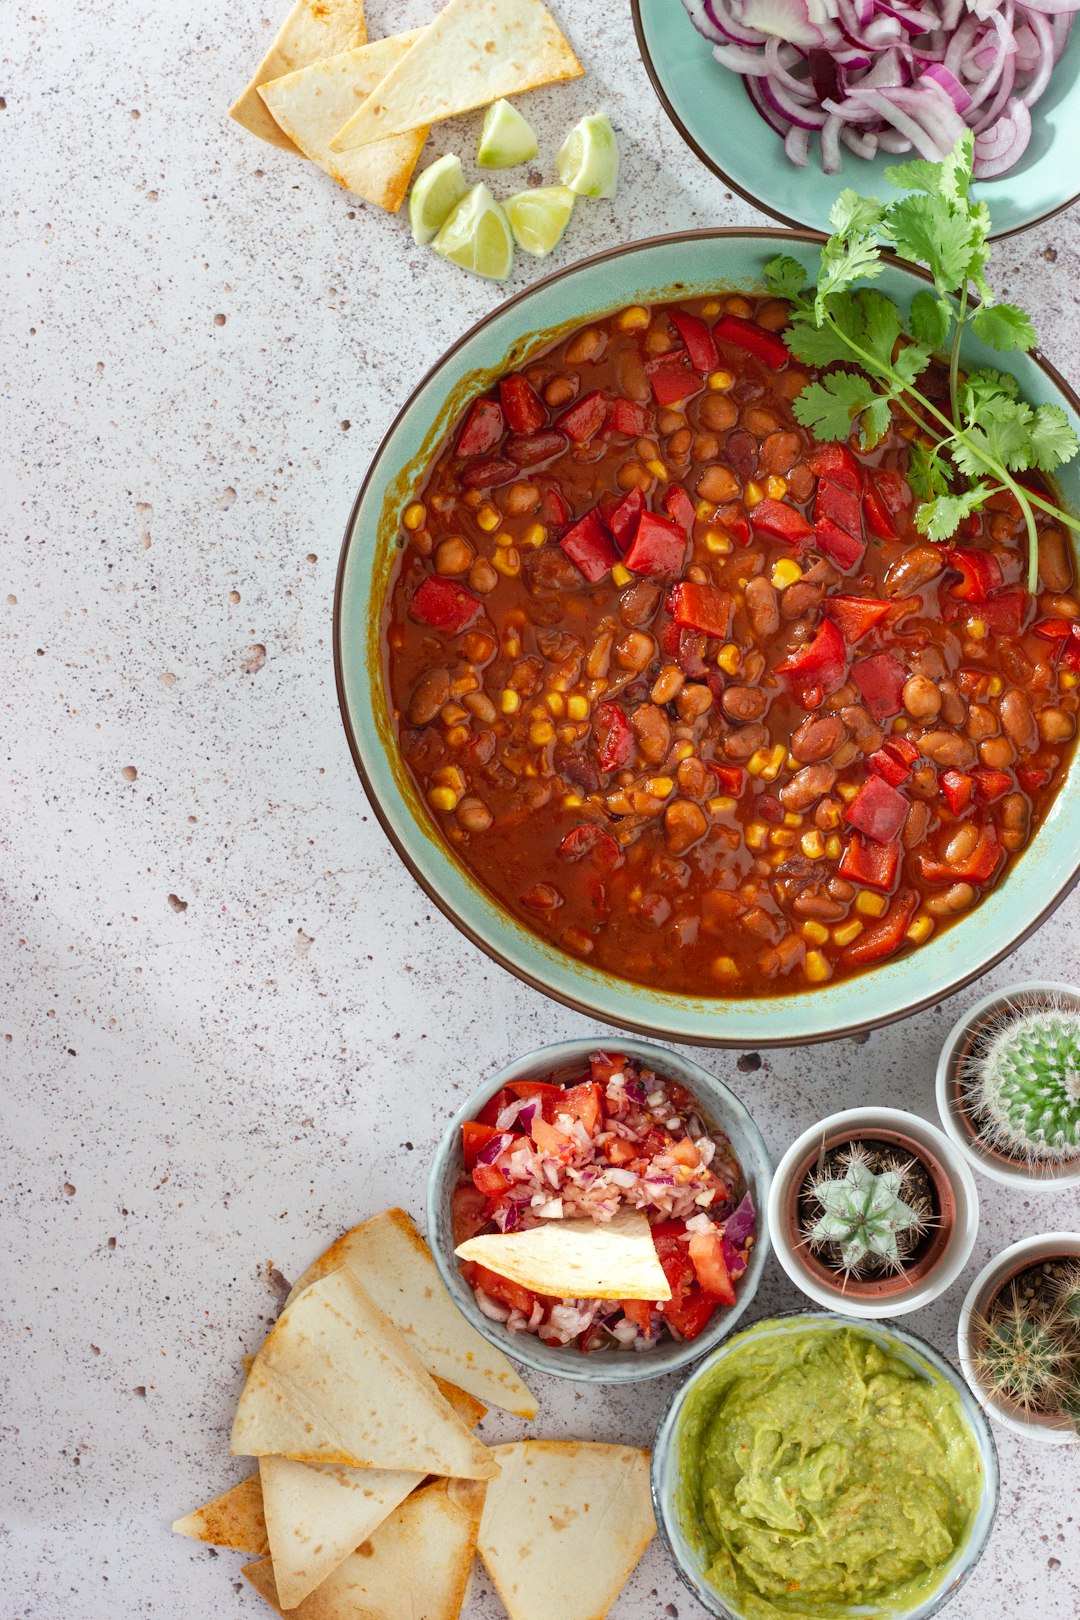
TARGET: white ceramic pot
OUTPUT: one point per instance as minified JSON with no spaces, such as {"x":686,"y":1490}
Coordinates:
{"x":1050,"y":1431}
{"x":885,"y":1299}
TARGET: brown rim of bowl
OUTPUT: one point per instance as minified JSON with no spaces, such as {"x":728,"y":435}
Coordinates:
{"x":651,"y":1030}
{"x":756,"y":202}
{"x":941,"y":1234}
{"x":993,"y":1291}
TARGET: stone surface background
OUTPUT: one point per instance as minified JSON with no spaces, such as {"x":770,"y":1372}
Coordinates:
{"x":232,"y":1025}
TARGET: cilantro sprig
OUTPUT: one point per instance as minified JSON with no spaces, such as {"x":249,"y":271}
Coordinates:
{"x":987,"y":435}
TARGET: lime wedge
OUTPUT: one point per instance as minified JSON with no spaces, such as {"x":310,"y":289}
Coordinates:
{"x":477,"y":236}
{"x":538,"y":218}
{"x":588,"y":160}
{"x":434,"y":196}
{"x":505,"y":139}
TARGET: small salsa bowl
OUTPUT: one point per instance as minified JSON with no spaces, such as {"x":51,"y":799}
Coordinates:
{"x":897,"y":1341}
{"x":720,"y":1108}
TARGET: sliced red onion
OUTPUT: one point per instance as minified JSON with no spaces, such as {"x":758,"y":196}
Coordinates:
{"x":734,"y":1259}
{"x":1052,"y":8}
{"x":1043,"y":38}
{"x":490,"y":1307}
{"x":787,"y":107}
{"x":742,"y":1222}
{"x":700,"y":14}
{"x":797,"y":146}
{"x":951,"y":85}
{"x":507,"y":1216}
{"x":491,"y":1150}
{"x":1004,"y":144}
{"x":785,"y":19}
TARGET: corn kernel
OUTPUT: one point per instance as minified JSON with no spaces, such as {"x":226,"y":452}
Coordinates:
{"x":724,"y":968}
{"x":753,"y":493}
{"x":871,"y":904}
{"x":848,"y":791}
{"x":828,"y":816}
{"x":450,"y":776}
{"x":568,"y":734}
{"x":685,"y":750}
{"x":508,"y":562}
{"x":512,"y":645}
{"x":657,"y":469}
{"x":538,"y":712}
{"x":458,"y":736}
{"x":577,"y":707}
{"x":782,"y":837}
{"x":634,"y":319}
{"x":721,"y":805}
{"x":812,"y":845}
{"x":659,"y":786}
{"x":704,"y":510}
{"x":786,"y":572}
{"x":717,"y":542}
{"x":413,"y":516}
{"x":756,"y":834}
{"x":556,"y":704}
{"x":729,"y":658}
{"x":776,"y":488}
{"x":721,"y":380}
{"x":504,"y":538}
{"x":792,"y":818}
{"x":846,"y":932}
{"x":535,"y":535}
{"x":758,"y":761}
{"x":792,"y":763}
{"x":817,"y":967}
{"x":443,"y":798}
{"x":509,"y":700}
{"x":621,"y":576}
{"x":814,"y":933}
{"x":901,"y":723}
{"x":976,"y":629}
{"x":541,"y":732}
{"x":920,"y":930}
{"x":452,"y":714}
{"x":833,"y":847}
{"x":571,"y":801}
{"x":488,"y":518}
{"x":1067,"y":680}
{"x":775,"y":764}
{"x":713,"y":307}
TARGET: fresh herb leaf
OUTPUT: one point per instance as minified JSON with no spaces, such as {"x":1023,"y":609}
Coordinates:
{"x":829,"y":407}
{"x":1003,"y":327}
{"x":911,"y":361}
{"x":844,"y":261}
{"x":928,"y":474}
{"x":1053,"y":441}
{"x":950,"y":179}
{"x":930,"y":231}
{"x":940,"y":518}
{"x":785,"y":276}
{"x":931,"y":317}
{"x":851,"y":214}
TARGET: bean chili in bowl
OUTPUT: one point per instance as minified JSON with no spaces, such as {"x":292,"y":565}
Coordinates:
{"x":688,"y":692}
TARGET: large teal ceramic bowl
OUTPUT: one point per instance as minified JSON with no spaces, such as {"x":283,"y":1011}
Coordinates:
{"x":668,"y":267}
{"x":714,"y":115}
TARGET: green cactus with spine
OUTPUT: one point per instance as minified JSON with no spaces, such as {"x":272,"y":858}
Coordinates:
{"x":1021,"y":1084}
{"x":865,"y":1222}
{"x":1026,"y":1348}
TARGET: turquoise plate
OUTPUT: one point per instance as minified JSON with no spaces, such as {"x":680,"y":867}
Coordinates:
{"x":714,"y":115}
{"x":673,"y":266}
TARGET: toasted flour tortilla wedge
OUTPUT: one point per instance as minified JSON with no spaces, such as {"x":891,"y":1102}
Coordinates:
{"x":415,"y":1567}
{"x":313,"y":29}
{"x":335,"y":1382}
{"x":312,"y":105}
{"x":233,"y":1519}
{"x":473,"y":53}
{"x":390,"y":1259}
{"x":577,"y":1259}
{"x":564,"y":1525}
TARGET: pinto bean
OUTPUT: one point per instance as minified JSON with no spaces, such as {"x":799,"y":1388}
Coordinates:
{"x":815,"y":903}
{"x":679,"y":444}
{"x":586,"y":345}
{"x":744,"y":703}
{"x":1055,"y":563}
{"x":859,"y":722}
{"x":930,"y":662}
{"x":429,"y":694}
{"x":997,"y":752}
{"x":635,"y":651}
{"x":559,"y":391}
{"x":706,"y":447}
{"x":759,"y":421}
{"x":953,"y":706}
{"x":916,"y":826}
{"x":922,"y":700}
{"x":718,"y":412}
{"x":474,"y":815}
{"x":694,"y":779}
{"x":780,"y":452}
{"x":817,"y":738}
{"x":684,"y":824}
{"x":745,"y":741}
{"x":1061,"y":607}
{"x":652,"y":728}
{"x":1055,"y":726}
{"x":800,"y":599}
{"x":639,"y":602}
{"x":954,"y":900}
{"x":947,"y":749}
{"x":762,"y":607}
{"x":668,"y":684}
{"x":693,"y":701}
{"x":1015,"y":820}
{"x":914,"y":569}
{"x":981,"y":722}
{"x":806,"y":786}
{"x":598,"y":658}
{"x":800,"y":481}
{"x":717,"y":484}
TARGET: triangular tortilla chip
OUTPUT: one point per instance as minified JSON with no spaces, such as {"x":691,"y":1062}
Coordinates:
{"x":335,"y":1382}
{"x":585,"y":1259}
{"x":415,"y":1567}
{"x":390,"y":1259}
{"x":234,"y":1519}
{"x":564,"y":1525}
{"x":311,"y":106}
{"x":474,"y":52}
{"x":313,"y":29}
{"x":467,"y":1407}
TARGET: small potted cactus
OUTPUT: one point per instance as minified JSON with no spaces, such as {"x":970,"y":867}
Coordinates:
{"x":1008,"y":1085}
{"x":873,"y":1212}
{"x":1019,"y":1337}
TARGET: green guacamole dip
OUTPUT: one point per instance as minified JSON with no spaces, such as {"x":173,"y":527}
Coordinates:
{"x":819,"y":1472}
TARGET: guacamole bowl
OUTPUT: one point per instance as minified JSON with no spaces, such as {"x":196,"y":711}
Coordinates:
{"x":719,"y":1108}
{"x":802,"y":1409}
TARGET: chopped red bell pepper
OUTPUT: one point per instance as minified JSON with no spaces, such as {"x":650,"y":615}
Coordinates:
{"x":589,"y":839}
{"x":522,"y":404}
{"x":1031,"y":779}
{"x":886,"y":937}
{"x":957,"y":789}
{"x":554,"y":512}
{"x":444,"y":605}
{"x":856,"y":615}
{"x":887,"y":764}
{"x":530,"y":449}
{"x":1053,"y":629}
{"x":613,"y":736}
{"x":991,"y":784}
{"x":980,"y":573}
{"x":622,"y":516}
{"x":893,"y":491}
{"x":702,"y":607}
{"x":734,"y":521}
{"x":483,"y":428}
{"x":627,"y":418}
{"x":475,"y":1136}
{"x":872,"y":864}
{"x":977,"y":867}
{"x":835,"y":461}
{"x":585,"y":417}
{"x":821,"y":663}
{"x":679,"y":507}
{"x":732,"y":779}
{"x":1006,"y":610}
{"x":843,"y":549}
{"x":780,"y":520}
{"x":878,"y":516}
{"x":590,"y":546}
{"x":877,"y":810}
{"x":753,"y":339}
{"x":658,"y":548}
{"x":880,"y":680}
{"x":700,"y":343}
{"x":486,"y":474}
{"x":690,"y":656}
{"x":672,"y":380}
{"x":837,"y":504}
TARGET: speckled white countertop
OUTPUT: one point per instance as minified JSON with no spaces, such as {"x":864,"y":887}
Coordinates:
{"x":232,"y":1024}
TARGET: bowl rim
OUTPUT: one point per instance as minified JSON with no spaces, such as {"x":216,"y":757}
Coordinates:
{"x":759,"y":203}
{"x":526,"y":1348}
{"x":664,"y":1441}
{"x":645,"y":1027}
